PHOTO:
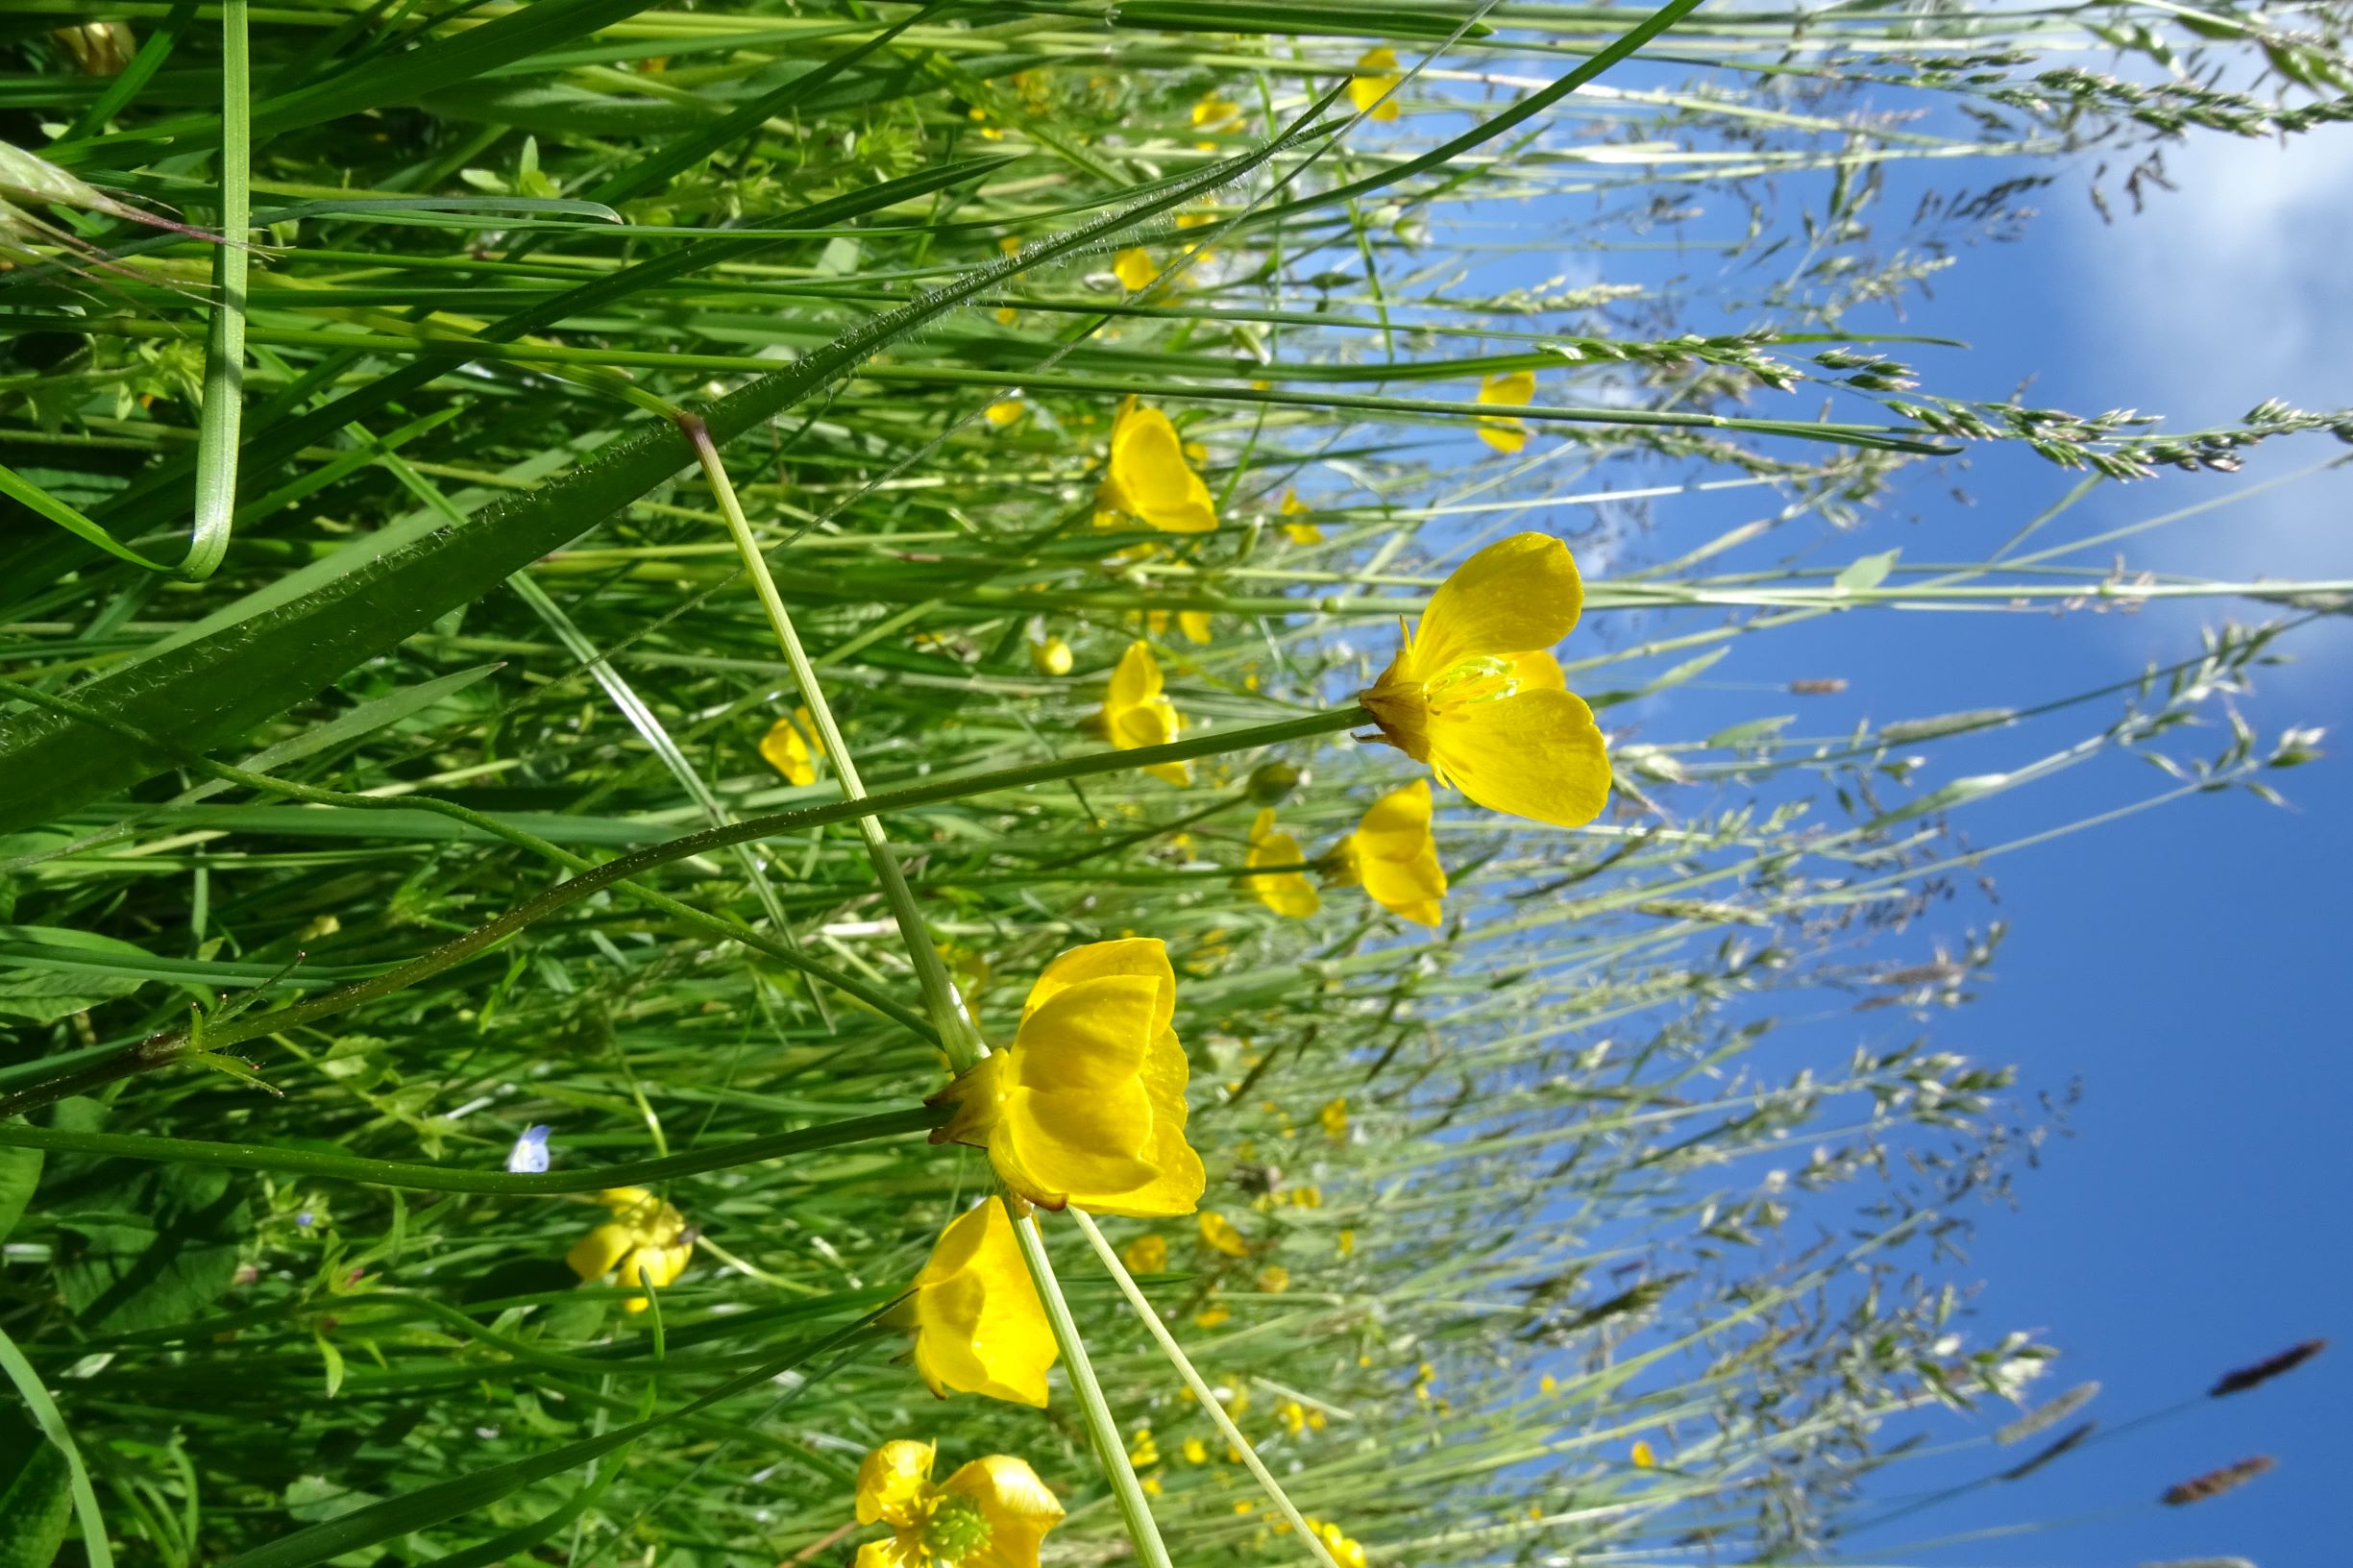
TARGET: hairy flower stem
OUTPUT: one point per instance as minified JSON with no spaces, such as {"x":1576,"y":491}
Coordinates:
{"x":1203,"y":1394}
{"x":957,"y":1034}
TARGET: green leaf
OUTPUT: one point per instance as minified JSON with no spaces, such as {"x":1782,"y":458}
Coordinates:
{"x":20,"y":1172}
{"x":37,"y":1501}
{"x":158,"y":1248}
{"x":1867,"y":574}
{"x":60,"y":971}
{"x":213,"y":687}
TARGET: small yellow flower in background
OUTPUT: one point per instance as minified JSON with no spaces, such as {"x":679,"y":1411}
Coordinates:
{"x":1302,"y":533}
{"x":1219,"y":1234}
{"x":646,"y":1240}
{"x":1149,"y":1484}
{"x":1150,"y":478}
{"x":1346,"y":1553}
{"x":1214,"y":113}
{"x":1476,"y":693}
{"x":1010,"y":245}
{"x":993,"y":1512}
{"x":1196,"y":1452}
{"x":1143,"y":1451}
{"x":1212,"y":1316}
{"x":1005,"y":411}
{"x":1347,"y":1241}
{"x":1286,"y":893}
{"x":1643,"y":1455}
{"x":1274,"y":1279}
{"x":1146,"y":1254}
{"x":1293,"y":1415}
{"x":979,"y":1327}
{"x":1135,"y":269}
{"x":787,"y":747}
{"x":1307,"y":1197}
{"x":1245,"y":1506}
{"x":1194,"y":624}
{"x":1086,"y":1104}
{"x":1375,"y":74}
{"x":1333,"y":1117}
{"x":1547,"y":1384}
{"x":1050,"y":656}
{"x":1516,"y":388}
{"x":1137,"y":712}
{"x":1392,"y":856}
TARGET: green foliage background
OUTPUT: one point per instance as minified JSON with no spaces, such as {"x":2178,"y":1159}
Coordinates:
{"x":359,"y":589}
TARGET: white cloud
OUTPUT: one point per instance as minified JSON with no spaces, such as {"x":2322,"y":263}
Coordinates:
{"x":2234,"y":287}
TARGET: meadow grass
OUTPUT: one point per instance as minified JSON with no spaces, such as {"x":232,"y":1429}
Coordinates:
{"x":442,"y":441}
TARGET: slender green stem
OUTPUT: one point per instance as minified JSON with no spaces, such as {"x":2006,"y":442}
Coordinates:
{"x":224,"y":401}
{"x":417,"y":1178}
{"x":1203,"y":1394}
{"x":948,"y":1015}
{"x":1127,"y":1492}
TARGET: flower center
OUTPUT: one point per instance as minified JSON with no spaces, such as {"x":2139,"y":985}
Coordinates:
{"x":956,"y":1530}
{"x":1484,"y":680}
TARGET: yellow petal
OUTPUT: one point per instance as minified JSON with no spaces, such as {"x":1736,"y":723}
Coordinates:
{"x":1134,"y":268}
{"x":1538,"y":755}
{"x":1137,"y":679}
{"x":1194,"y":624}
{"x":1146,"y":1254}
{"x":893,"y":1479}
{"x":1017,"y":1504}
{"x":1518,"y":596}
{"x":601,"y":1251}
{"x":1517,"y":387}
{"x":1376,"y":70}
{"x":1287,"y":893}
{"x":889,"y":1553}
{"x":1079,"y":1125}
{"x":1178,"y":1178}
{"x":788,"y":752}
{"x":1145,"y":956}
{"x":979,"y":1326}
{"x":1151,"y":476}
{"x":1219,"y":1232}
{"x":1505,"y":435}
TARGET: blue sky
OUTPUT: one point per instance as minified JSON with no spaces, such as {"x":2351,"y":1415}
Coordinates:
{"x":2180,"y":966}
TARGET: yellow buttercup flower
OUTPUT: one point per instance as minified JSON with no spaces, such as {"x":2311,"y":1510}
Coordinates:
{"x":1286,"y":893}
{"x":1086,"y":1104}
{"x":786,"y":747}
{"x":1050,"y":656}
{"x":1004,"y":411}
{"x":1375,"y":74}
{"x":1150,"y":478}
{"x":1514,"y":388}
{"x":646,"y":1240}
{"x":1476,"y":693}
{"x":1302,"y":533}
{"x":1219,"y":1232}
{"x":1348,"y":1554}
{"x":1335,"y":1118}
{"x":1274,"y":1279}
{"x":1392,"y":856}
{"x":1194,"y":624}
{"x":1643,"y":1455}
{"x":991,"y":1513}
{"x":1135,"y":269}
{"x":1136,"y":712}
{"x":1212,"y":1316}
{"x":1146,"y":1254}
{"x":979,"y":1327}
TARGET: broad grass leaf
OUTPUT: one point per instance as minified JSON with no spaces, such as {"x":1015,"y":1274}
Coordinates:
{"x":155,"y":1249}
{"x":36,"y":1495}
{"x":20,"y":1173}
{"x":45,"y":991}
